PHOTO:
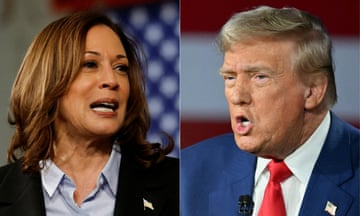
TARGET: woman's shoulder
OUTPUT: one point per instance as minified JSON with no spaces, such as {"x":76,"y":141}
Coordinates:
{"x":171,"y":161}
{"x":168,"y":164}
{"x":167,"y":169}
{"x":14,"y":171}
{"x":11,"y":175}
{"x":11,"y":168}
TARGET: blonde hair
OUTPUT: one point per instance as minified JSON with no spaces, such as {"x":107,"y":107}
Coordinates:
{"x":314,"y":47}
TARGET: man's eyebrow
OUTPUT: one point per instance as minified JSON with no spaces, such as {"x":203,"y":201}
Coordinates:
{"x":225,"y":70}
{"x":119,"y":56}
{"x":256,"y":68}
{"x":246,"y":69}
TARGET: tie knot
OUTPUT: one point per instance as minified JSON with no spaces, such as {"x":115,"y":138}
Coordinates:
{"x":278,"y":171}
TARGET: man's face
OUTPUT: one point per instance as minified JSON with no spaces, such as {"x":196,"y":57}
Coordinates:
{"x":266,"y":98}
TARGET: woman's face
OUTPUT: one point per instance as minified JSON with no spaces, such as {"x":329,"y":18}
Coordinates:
{"x":95,"y":104}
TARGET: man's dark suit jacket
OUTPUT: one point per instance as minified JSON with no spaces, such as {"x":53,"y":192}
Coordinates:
{"x":215,"y":172}
{"x":21,"y":194}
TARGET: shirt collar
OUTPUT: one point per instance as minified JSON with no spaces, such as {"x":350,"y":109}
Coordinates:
{"x":301,"y":161}
{"x":111,"y":169}
{"x":52,"y":175}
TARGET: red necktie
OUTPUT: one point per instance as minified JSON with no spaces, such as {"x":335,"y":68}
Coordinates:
{"x":273,"y":201}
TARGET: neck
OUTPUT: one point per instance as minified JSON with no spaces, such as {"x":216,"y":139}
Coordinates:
{"x":82,"y":160}
{"x":312,"y":122}
{"x":80,"y":156}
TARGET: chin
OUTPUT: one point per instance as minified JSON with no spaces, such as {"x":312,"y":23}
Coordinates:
{"x":247,"y":144}
{"x":106,"y":131}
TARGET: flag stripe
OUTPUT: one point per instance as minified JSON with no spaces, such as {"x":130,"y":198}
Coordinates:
{"x":341,"y":18}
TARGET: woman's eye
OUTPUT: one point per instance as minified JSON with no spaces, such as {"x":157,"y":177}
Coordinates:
{"x":122,"y":68}
{"x":90,"y":64}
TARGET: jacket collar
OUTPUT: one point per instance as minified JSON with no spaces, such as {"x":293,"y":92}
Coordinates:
{"x":145,"y":191}
{"x":129,"y":192}
{"x":333,"y":168}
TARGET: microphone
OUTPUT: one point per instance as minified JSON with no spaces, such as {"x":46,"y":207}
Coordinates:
{"x":246,"y":205}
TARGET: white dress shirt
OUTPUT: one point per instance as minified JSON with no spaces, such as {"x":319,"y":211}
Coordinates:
{"x":301,"y":163}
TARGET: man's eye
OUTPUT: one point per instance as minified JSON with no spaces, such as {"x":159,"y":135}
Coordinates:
{"x":261,"y":77}
{"x":227,"y":77}
{"x":122,"y":68}
{"x":90,"y":64}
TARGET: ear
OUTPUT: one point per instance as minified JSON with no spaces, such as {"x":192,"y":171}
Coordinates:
{"x":316,"y":91}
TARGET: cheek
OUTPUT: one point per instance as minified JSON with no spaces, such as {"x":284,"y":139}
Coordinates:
{"x":281,"y":118}
{"x":124,"y":93}
{"x":229,"y":97}
{"x":65,"y":102}
{"x":64,"y":115}
{"x":231,"y":107}
{"x":278,"y":106}
{"x":75,"y":99}
{"x":124,"y":87}
{"x":68,"y":108}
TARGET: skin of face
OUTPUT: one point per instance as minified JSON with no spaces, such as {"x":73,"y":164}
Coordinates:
{"x":266,"y":98}
{"x":94,"y":106}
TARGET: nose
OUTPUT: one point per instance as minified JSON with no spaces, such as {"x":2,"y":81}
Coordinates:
{"x":239,"y":94}
{"x":108,"y":79}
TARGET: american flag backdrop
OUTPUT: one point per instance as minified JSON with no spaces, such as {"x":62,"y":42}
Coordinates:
{"x":156,"y":27}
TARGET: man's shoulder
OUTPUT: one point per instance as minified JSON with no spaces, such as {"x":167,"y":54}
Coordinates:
{"x":210,"y":166}
{"x":216,"y":143}
{"x":216,"y":152}
{"x":342,"y":128}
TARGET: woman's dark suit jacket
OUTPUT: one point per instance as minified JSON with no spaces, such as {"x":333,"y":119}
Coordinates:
{"x":21,"y":194}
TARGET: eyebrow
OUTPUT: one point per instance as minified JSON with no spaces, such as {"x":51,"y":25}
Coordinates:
{"x":119,"y":56}
{"x":225,"y":71}
{"x":246,"y":69}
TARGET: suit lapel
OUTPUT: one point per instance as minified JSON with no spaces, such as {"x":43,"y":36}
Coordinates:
{"x":22,"y":193}
{"x":129,"y":199}
{"x":319,"y":193}
{"x":332,"y":169}
{"x":239,"y":176}
{"x":153,"y":188}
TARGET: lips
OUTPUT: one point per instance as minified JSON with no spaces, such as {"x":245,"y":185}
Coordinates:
{"x":243,"y":124}
{"x":105,"y":105}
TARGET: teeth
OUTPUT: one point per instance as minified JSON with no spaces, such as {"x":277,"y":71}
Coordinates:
{"x":245,"y":123}
{"x":108,"y":104}
{"x":103,"y":109}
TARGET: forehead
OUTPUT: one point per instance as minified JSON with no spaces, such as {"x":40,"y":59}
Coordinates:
{"x":258,"y":53}
{"x":103,"y":37}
